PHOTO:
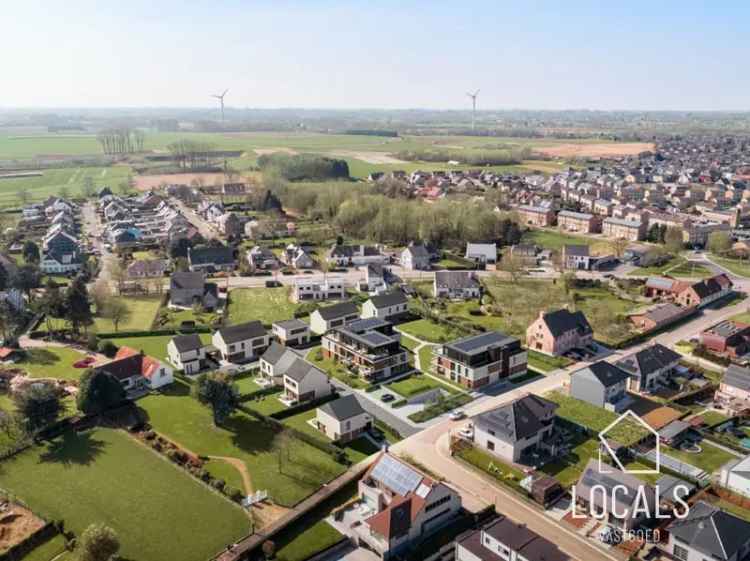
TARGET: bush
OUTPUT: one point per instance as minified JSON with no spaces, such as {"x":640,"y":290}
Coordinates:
{"x":92,"y":342}
{"x":399,"y":403}
{"x":233,"y":493}
{"x":371,"y":388}
{"x":107,"y":348}
{"x":218,"y":484}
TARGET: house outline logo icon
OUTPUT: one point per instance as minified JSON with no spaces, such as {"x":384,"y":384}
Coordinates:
{"x":618,"y":463}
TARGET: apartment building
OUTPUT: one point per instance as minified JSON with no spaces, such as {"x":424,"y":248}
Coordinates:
{"x":326,"y":288}
{"x":620,"y":228}
{"x":536,"y":215}
{"x":578,"y":222}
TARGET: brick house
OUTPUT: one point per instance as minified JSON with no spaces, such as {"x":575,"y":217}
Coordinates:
{"x":703,"y":293}
{"x":536,"y":215}
{"x":578,"y":222}
{"x":555,"y":333}
{"x":729,"y":338}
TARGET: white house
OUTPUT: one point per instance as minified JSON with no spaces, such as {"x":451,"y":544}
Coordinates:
{"x":305,"y":382}
{"x":386,"y":306}
{"x":415,"y":258}
{"x":243,"y":342}
{"x":187,"y":353}
{"x":325,"y":319}
{"x":326,"y":288}
{"x":291,"y":332}
{"x":60,"y":262}
{"x":156,"y":372}
{"x":274,"y":363}
{"x":735,"y":476}
{"x":342,"y":419}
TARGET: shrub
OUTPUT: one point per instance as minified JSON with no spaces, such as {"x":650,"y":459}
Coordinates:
{"x":107,"y":348}
{"x":399,"y":403}
{"x":92,"y":342}
{"x":218,"y":484}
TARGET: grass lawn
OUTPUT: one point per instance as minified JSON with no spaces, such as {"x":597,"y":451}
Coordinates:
{"x":142,"y":312}
{"x":427,"y":330}
{"x":650,"y":478}
{"x":246,"y":385}
{"x":227,"y":472}
{"x":425,"y":358}
{"x":448,"y":404}
{"x":52,"y":362}
{"x":356,"y":451}
{"x":492,"y":466}
{"x":288,"y":468}
{"x":266,"y":304}
{"x":418,"y":383}
{"x":712,"y":418}
{"x":106,"y":477}
{"x":267,"y":404}
{"x":318,"y":537}
{"x":154,"y":345}
{"x":167,"y":318}
{"x":545,"y":363}
{"x":690,"y":270}
{"x":597,"y":419}
{"x":335,"y":370}
{"x":409,"y":343}
{"x":656,"y":269}
{"x":709,"y":459}
{"x":48,"y":550}
{"x":739,"y":267}
{"x":551,"y":239}
{"x":743,"y":317}
{"x":568,"y":469}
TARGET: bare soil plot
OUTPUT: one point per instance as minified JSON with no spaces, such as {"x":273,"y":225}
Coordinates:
{"x":148,"y":182}
{"x":16,"y":524}
{"x":604,"y":150}
{"x":368,"y":157}
{"x":269,"y":151}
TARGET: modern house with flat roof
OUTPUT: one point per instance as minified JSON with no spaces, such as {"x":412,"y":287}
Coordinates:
{"x":480,"y":360}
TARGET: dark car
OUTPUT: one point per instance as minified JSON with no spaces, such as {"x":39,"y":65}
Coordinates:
{"x":385,"y":398}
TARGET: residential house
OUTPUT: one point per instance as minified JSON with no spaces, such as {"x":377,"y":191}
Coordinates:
{"x":649,"y":367}
{"x":147,"y":268}
{"x":325,"y":288}
{"x":297,"y":257}
{"x":187,"y":289}
{"x":357,"y":255}
{"x":659,"y":316}
{"x":262,"y":258}
{"x":243,"y":342}
{"x":706,"y":291}
{"x":60,"y":262}
{"x":734,"y":390}
{"x":578,"y":222}
{"x":663,"y":287}
{"x":576,"y":257}
{"x":415,"y":258}
{"x":393,"y":305}
{"x":728,"y":338}
{"x":330,"y":317}
{"x":506,"y":540}
{"x":406,"y":507}
{"x":375,"y":279}
{"x":137,"y":372}
{"x":369,"y":347}
{"x":187,"y":353}
{"x":342,"y":419}
{"x":211,"y":259}
{"x":601,"y":384}
{"x":305,"y":382}
{"x":708,"y":532}
{"x":456,"y":285}
{"x":626,"y":510}
{"x":525,"y":254}
{"x":619,"y":228}
{"x":480,"y":360}
{"x":156,"y":372}
{"x":556,"y":333}
{"x":515,"y":430}
{"x":274,"y":363}
{"x":536,"y":216}
{"x":481,"y":253}
{"x":291,"y":332}
{"x":230,"y":225}
{"x":735,"y":476}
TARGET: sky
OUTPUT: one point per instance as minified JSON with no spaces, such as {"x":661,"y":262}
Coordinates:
{"x":636,"y":55}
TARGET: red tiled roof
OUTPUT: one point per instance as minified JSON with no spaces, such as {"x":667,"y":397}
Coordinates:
{"x":5,"y":352}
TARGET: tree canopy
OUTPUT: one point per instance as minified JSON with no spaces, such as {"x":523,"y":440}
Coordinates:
{"x":98,"y":392}
{"x":217,"y":391}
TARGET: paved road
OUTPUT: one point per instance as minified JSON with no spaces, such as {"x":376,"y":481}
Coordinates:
{"x":204,"y":227}
{"x":93,"y":227}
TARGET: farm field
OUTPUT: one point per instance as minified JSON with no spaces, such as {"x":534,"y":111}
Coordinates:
{"x":265,"y":304}
{"x":288,"y":468}
{"x":142,"y":313}
{"x":52,"y":362}
{"x":112,"y":479}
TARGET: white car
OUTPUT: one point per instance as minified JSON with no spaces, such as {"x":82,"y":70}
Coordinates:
{"x":467,"y":432}
{"x":456,"y":415}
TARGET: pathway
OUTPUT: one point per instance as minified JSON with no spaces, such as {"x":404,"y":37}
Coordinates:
{"x":240,"y":466}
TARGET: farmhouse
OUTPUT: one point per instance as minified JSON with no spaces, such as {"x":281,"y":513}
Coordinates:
{"x":601,"y":384}
{"x":406,"y":505}
{"x":514,"y":430}
{"x":187,"y":353}
{"x":342,"y":419}
{"x":456,"y":285}
{"x":480,"y":360}
{"x":243,"y":342}
{"x":386,"y":306}
{"x":324,"y":319}
{"x":556,"y":333}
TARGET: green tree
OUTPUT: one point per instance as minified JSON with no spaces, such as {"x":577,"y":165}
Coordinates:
{"x":116,"y":311}
{"x":27,"y":278}
{"x":98,"y":543}
{"x":52,"y":304}
{"x":98,"y":392}
{"x":38,"y":406}
{"x":216,"y":391}
{"x":78,"y":306}
{"x":30,"y":252}
{"x":673,"y":240}
{"x":719,"y":242}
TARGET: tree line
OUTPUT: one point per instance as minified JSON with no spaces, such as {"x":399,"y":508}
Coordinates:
{"x":119,"y":141}
{"x":304,"y":167}
{"x":470,"y":157}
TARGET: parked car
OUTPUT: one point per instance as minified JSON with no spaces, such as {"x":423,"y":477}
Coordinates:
{"x":387,"y":397}
{"x":456,"y":415}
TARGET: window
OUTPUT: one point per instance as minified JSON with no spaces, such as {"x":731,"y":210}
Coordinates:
{"x":490,"y":445}
{"x":437,"y":503}
{"x":680,"y":552}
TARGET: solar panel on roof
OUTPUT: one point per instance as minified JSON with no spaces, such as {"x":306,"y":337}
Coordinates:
{"x":396,"y":476}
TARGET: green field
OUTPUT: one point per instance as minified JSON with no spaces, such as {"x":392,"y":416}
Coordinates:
{"x":550,"y":239}
{"x":52,"y":362}
{"x":709,"y":459}
{"x":427,"y":330}
{"x":265,"y":304}
{"x":288,"y":468}
{"x":104,"y":476}
{"x":142,"y":312}
{"x":48,"y":550}
{"x":740,"y":267}
{"x":153,"y":345}
{"x":418,"y":383}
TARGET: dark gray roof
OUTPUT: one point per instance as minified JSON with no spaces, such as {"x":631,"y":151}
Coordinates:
{"x":343,"y":408}
{"x":299,"y":369}
{"x":219,"y":255}
{"x":674,"y":429}
{"x":737,"y":377}
{"x":390,"y":299}
{"x":518,"y":419}
{"x":290,"y":323}
{"x":671,"y":488}
{"x":475,"y":342}
{"x":456,"y":279}
{"x":710,"y":531}
{"x":607,"y":374}
{"x":338,"y":310}
{"x":578,"y":250}
{"x":186,"y":279}
{"x":242,"y":331}
{"x":419,"y":251}
{"x":664,"y":312}
{"x":185,"y":343}
{"x":648,"y":360}
{"x":592,"y":477}
{"x":273,"y":353}
{"x":563,"y":321}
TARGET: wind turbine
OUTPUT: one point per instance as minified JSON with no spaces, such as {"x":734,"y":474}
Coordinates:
{"x":221,"y":101}
{"x":473,"y":97}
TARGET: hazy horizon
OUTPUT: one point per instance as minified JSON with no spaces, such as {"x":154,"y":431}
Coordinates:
{"x":332,"y":55}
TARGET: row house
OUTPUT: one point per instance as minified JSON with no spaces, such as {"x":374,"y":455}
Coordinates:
{"x":536,"y":216}
{"x":624,"y":229}
{"x":326,"y":288}
{"x":578,"y":222}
